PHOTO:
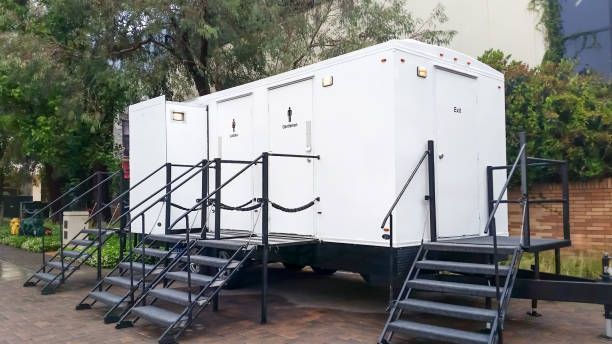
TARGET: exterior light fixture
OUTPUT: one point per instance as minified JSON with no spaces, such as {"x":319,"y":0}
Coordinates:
{"x":421,"y":72}
{"x":178,"y":116}
{"x":327,"y":81}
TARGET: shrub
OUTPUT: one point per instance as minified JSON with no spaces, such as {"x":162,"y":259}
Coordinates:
{"x":566,"y":115}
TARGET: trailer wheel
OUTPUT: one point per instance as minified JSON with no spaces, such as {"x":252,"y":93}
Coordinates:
{"x":293,"y":267}
{"x":323,"y":271}
{"x":366,"y":277}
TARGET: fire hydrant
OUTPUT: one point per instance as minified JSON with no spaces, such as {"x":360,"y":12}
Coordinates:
{"x":14,"y":225}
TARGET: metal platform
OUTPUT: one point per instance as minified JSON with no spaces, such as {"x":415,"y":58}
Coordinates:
{"x":244,"y":236}
{"x":537,"y":244}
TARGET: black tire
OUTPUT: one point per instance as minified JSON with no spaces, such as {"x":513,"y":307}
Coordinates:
{"x":366,"y":277}
{"x":293,"y":267}
{"x":323,"y":271}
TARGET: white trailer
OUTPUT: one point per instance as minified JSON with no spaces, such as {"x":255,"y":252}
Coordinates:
{"x":369,"y":115}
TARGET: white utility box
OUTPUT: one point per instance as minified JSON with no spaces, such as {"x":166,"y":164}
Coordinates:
{"x":74,"y":222}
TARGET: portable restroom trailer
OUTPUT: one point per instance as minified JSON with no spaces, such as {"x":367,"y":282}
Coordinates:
{"x":369,"y":115}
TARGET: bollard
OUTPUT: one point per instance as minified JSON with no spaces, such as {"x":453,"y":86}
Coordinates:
{"x":605,"y":277}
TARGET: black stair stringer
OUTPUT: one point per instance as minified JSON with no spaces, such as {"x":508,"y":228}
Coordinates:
{"x":118,"y":289}
{"x":193,"y":302}
{"x":68,"y":259}
{"x":471,"y":285}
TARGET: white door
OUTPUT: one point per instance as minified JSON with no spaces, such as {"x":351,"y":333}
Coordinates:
{"x":147,"y":153}
{"x":457,"y":172}
{"x":186,"y":145}
{"x":291,"y":179}
{"x":234,"y":122}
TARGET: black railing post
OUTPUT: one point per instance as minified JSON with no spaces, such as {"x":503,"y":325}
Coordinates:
{"x":99,"y":225}
{"x":218,"y":199}
{"x":217,"y":234}
{"x":204,"y":214}
{"x":124,"y":204}
{"x":566,"y":210}
{"x":264,"y":235}
{"x":391,"y":260}
{"x":168,"y":197}
{"x":526,"y":233}
{"x":143,"y":258}
{"x":61,"y":233}
{"x":490,"y":196}
{"x":431,"y":173}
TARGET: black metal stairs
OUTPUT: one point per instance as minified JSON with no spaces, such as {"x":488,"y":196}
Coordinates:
{"x":119,"y":288}
{"x":68,"y":259}
{"x":186,"y":293}
{"x":439,"y":268}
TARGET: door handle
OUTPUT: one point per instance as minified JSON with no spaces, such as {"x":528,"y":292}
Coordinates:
{"x":441,"y":156}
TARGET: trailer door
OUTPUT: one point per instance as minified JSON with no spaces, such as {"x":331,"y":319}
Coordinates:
{"x":457,"y":171}
{"x":291,"y":179}
{"x":234,"y":123}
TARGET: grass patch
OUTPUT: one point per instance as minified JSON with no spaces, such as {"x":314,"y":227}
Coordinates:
{"x":572,"y":264}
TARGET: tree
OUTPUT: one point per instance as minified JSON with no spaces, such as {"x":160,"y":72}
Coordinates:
{"x":217,"y":43}
{"x":566,"y":115}
{"x":70,"y":67}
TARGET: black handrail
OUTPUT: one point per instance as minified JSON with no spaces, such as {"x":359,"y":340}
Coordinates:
{"x":156,"y":192}
{"x":401,"y":193}
{"x":63,"y":195}
{"x":85,"y":193}
{"x":520,"y":158}
{"x":263,"y":160}
{"x":163,"y":197}
{"x":123,"y":194}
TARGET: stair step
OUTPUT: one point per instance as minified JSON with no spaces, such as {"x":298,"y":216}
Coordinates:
{"x":94,"y":231}
{"x":47,"y":277}
{"x":438,"y":333}
{"x":75,"y":254}
{"x":469,"y":248}
{"x":152,"y":252}
{"x":56,"y":264}
{"x":166,"y":238}
{"x":176,"y":296}
{"x":453,"y":287}
{"x":449,"y":310}
{"x":222,"y":244}
{"x":156,"y":315}
{"x":121,"y":281}
{"x":83,"y":242}
{"x":470,"y":268}
{"x":196,"y":279}
{"x":106,"y":298}
{"x":211,"y":261}
{"x":137,"y":267}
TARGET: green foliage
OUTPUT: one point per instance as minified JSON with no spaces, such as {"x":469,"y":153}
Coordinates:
{"x":551,"y":23}
{"x":578,"y":265}
{"x":28,"y":243}
{"x":110,"y":254}
{"x":566,"y":115}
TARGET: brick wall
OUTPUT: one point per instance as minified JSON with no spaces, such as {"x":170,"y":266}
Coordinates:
{"x":590,"y":214}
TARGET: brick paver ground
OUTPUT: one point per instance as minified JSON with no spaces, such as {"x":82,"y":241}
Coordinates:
{"x":303,"y":308}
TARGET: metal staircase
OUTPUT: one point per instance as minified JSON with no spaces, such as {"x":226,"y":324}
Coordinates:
{"x":186,"y":293}
{"x":432,"y":271}
{"x":119,"y":288}
{"x":69,"y":258}
{"x":458,"y":269}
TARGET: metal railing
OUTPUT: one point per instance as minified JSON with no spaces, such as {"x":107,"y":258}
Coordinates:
{"x":101,"y":178}
{"x":429,"y":154}
{"x":264,"y":201}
